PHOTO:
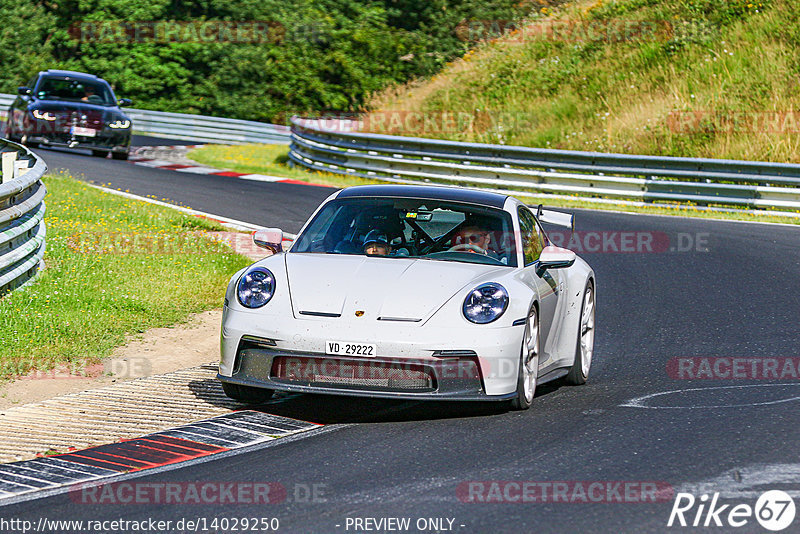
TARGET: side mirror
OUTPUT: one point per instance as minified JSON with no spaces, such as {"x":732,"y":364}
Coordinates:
{"x":270,"y":239}
{"x":23,"y":91}
{"x":555,"y":258}
{"x":125,"y":102}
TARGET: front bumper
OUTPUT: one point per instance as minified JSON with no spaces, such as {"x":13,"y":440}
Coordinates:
{"x":412,"y":362}
{"x":454,"y":378}
{"x":112,"y":142}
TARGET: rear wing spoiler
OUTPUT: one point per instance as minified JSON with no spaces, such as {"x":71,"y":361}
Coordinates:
{"x":558,"y":218}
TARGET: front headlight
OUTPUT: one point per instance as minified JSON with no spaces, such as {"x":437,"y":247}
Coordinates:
{"x":46,"y":116}
{"x":485,"y":303}
{"x":255,"y":287}
{"x":120,"y":124}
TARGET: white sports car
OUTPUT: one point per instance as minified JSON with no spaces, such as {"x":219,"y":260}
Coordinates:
{"x":411,"y":292}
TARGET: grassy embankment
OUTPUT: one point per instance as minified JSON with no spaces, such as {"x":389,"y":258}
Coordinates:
{"x":566,"y":90}
{"x":114,"y":267}
{"x":272,"y":160}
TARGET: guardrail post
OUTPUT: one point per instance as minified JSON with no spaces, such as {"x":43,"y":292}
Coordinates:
{"x":20,"y":168}
{"x":9,"y":158}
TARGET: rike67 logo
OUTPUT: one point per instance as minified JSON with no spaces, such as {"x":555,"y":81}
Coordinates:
{"x":774,"y":510}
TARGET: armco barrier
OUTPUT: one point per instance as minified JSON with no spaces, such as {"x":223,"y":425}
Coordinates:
{"x":22,"y":228}
{"x":323,"y":146}
{"x":197,"y":128}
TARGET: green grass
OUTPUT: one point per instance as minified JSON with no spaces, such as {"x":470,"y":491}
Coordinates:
{"x":114,"y":267}
{"x":718,"y":56}
{"x":270,"y":159}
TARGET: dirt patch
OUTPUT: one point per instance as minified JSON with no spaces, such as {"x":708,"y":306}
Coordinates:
{"x":157,"y":351}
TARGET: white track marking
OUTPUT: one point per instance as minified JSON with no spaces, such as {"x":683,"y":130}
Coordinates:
{"x":641,"y":402}
{"x":260,"y":178}
{"x":197,"y":170}
{"x":155,"y":163}
{"x":225,"y":221}
{"x":748,"y":482}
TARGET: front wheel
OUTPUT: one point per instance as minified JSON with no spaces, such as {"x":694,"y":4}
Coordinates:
{"x":119,"y":155}
{"x":528,"y":372}
{"x":246,"y":394}
{"x":9,"y":133}
{"x":30,"y":144}
{"x":99,"y":153}
{"x":584,"y":350}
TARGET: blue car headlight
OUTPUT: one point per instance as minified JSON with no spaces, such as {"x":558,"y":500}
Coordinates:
{"x":485,"y":303}
{"x":255,"y":287}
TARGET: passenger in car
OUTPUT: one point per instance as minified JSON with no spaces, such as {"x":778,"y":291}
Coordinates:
{"x":376,"y":244}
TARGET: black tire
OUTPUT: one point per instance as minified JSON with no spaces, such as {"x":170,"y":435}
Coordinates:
{"x":246,"y":394}
{"x":119,"y":155}
{"x":99,"y":153}
{"x":30,"y":144}
{"x":523,"y":401}
{"x":576,"y":377}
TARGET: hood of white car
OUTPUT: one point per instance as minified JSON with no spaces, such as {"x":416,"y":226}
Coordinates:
{"x":388,"y":288}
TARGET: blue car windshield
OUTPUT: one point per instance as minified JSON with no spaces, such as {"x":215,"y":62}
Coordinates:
{"x":411,"y":228}
{"x":74,"y":90}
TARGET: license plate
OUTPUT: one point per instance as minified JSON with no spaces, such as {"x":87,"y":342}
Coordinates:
{"x":86,"y":132}
{"x":347,"y":348}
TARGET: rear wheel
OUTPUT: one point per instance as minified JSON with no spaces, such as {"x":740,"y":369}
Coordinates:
{"x":585,"y":344}
{"x":528,"y":372}
{"x":99,"y":153}
{"x":246,"y":394}
{"x":119,"y":155}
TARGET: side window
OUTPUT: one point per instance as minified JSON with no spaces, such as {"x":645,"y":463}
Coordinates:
{"x":32,"y":83}
{"x":532,"y":241}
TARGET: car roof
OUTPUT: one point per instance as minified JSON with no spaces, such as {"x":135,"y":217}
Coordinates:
{"x":72,"y":74}
{"x":436,"y":192}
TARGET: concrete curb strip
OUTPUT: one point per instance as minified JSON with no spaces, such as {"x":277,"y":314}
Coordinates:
{"x":120,"y":411}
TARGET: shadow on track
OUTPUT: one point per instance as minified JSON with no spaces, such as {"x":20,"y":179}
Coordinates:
{"x":335,"y":409}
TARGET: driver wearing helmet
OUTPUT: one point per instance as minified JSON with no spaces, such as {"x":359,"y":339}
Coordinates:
{"x":376,"y":244}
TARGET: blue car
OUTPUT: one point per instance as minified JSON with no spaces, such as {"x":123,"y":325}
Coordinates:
{"x":69,"y":109}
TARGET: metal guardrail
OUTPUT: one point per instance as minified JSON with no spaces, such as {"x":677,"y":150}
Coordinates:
{"x":198,"y":128}
{"x":532,"y":171}
{"x":22,"y":228}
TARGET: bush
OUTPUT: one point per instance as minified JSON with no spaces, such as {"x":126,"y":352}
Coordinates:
{"x":319,"y":55}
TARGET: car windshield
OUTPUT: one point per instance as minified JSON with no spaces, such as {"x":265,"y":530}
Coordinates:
{"x":411,"y":228}
{"x":75,"y":91}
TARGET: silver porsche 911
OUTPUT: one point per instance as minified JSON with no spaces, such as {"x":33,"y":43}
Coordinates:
{"x":411,"y":292}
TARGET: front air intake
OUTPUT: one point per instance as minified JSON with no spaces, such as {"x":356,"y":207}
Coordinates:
{"x":353,"y":374}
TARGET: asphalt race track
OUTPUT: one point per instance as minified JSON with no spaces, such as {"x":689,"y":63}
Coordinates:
{"x":733,"y":295}
{"x":287,"y":205}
